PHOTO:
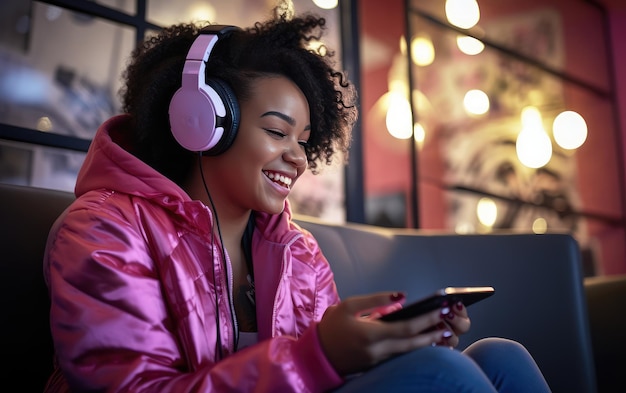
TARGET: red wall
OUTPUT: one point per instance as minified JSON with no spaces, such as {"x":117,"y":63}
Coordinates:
{"x":387,"y":159}
{"x":617,"y":24}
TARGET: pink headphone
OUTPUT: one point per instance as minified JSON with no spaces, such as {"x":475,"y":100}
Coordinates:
{"x":204,"y":114}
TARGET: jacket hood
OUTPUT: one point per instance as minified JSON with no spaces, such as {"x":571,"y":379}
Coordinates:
{"x":109,"y":166}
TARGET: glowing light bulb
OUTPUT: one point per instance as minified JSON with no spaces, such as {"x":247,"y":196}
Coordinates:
{"x":533,"y":145}
{"x":419,"y":133}
{"x":569,"y":129}
{"x":533,"y":148}
{"x":476,"y":102}
{"x":469,"y":45}
{"x":316,"y":46}
{"x":540,"y":225}
{"x":531,"y":118}
{"x":398,"y":118}
{"x":487,"y":211}
{"x":326,"y":4}
{"x":422,"y":51}
{"x":44,"y":124}
{"x":202,"y":12}
{"x":462,"y":13}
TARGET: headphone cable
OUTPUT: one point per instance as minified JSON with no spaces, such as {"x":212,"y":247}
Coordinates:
{"x":219,"y":232}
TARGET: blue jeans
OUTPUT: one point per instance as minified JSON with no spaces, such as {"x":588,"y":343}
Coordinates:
{"x":488,"y":365}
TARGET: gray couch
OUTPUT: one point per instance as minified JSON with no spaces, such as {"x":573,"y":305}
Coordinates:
{"x":574,"y":327}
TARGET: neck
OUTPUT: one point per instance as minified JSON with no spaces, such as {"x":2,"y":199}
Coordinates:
{"x":232,"y":222}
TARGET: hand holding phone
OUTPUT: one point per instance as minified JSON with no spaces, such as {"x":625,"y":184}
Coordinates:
{"x":466,"y":295}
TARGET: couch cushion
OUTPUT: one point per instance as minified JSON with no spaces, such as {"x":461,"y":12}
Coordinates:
{"x":539,"y":299}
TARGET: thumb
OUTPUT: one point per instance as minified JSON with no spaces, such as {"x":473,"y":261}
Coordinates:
{"x":375,"y":304}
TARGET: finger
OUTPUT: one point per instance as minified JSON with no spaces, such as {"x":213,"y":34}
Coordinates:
{"x":414,"y":326}
{"x":451,"y":341}
{"x":378,"y":303}
{"x":378,"y":312}
{"x":401,"y":345}
{"x":460,"y":309}
{"x":458,"y":323}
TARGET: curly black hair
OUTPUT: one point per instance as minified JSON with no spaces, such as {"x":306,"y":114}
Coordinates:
{"x":277,"y":46}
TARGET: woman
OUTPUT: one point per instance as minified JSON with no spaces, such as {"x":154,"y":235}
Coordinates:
{"x":178,"y":267}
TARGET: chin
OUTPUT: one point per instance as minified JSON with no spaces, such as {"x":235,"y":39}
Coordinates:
{"x":277,"y":210}
{"x":272,"y":208}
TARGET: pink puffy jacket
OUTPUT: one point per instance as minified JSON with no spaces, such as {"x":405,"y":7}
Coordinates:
{"x":130,"y":268}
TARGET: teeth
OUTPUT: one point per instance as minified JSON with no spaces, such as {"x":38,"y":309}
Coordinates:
{"x":283,"y":180}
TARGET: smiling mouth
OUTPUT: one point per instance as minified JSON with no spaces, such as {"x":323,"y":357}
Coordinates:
{"x":282,"y":180}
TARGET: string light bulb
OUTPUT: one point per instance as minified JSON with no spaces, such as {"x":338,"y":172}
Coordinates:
{"x":569,"y":130}
{"x":487,"y":211}
{"x":398,"y":118}
{"x":476,"y":102}
{"x":469,"y":45}
{"x":462,"y":13}
{"x":326,"y":4}
{"x":422,"y":51}
{"x":533,"y":145}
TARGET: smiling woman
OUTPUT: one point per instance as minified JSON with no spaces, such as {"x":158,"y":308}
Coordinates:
{"x":179,"y":255}
{"x":177,"y":198}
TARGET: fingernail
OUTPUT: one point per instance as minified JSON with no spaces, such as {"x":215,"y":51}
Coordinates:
{"x":397,"y":296}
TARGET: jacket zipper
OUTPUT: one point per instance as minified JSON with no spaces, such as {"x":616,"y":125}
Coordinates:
{"x":231,"y":301}
{"x":280,"y":282}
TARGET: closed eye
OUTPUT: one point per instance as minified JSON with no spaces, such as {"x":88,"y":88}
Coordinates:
{"x":280,"y":135}
{"x":276,"y":134}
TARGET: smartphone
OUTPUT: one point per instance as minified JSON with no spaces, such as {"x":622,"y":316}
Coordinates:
{"x":466,"y":295}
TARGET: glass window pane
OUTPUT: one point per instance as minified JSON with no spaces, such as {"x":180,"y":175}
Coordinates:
{"x":60,"y":72}
{"x":489,"y":177}
{"x":538,"y":23}
{"x":128,"y":6}
{"x":242,"y":13}
{"x":236,"y":12}
{"x":38,"y":166}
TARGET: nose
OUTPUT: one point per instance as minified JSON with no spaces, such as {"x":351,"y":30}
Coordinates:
{"x":295,"y":155}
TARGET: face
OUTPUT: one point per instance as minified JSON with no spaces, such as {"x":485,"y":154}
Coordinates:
{"x":267,"y":157}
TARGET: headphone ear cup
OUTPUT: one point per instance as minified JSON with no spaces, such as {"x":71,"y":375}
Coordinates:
{"x":230,"y":122}
{"x":193,"y":119}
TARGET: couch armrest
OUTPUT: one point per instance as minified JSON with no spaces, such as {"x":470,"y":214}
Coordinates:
{"x":26,"y":215}
{"x":606,"y":296}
